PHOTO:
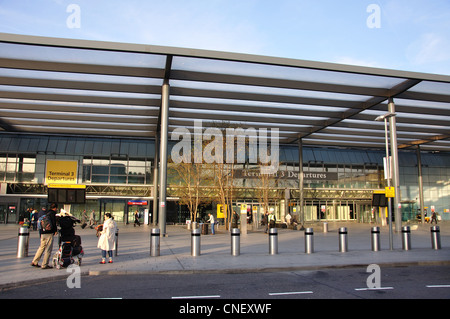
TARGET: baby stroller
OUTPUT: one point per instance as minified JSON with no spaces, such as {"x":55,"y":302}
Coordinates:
{"x":69,"y":246}
{"x":66,"y":253}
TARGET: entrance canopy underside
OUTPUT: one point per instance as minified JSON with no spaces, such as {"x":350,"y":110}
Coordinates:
{"x":80,"y":87}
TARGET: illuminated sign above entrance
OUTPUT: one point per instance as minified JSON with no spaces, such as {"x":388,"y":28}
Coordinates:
{"x":137,"y":202}
{"x":61,"y":172}
{"x":280,"y":174}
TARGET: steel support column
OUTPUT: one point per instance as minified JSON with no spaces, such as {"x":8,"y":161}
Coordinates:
{"x":163,"y":156}
{"x":155,"y":180}
{"x":395,"y":170}
{"x":300,"y":181}
{"x":419,"y":168}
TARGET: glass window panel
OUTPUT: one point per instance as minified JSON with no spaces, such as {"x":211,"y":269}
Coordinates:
{"x":11,"y":165}
{"x":28,"y":167}
{"x":100,"y":179}
{"x":2,"y":168}
{"x":100,"y":167}
{"x":86,"y":177}
{"x":118,"y":179}
{"x":118,"y":167}
{"x":136,"y":179}
{"x":138,"y":163}
{"x":136,"y":170}
{"x":100,"y":162}
{"x":11,"y":169}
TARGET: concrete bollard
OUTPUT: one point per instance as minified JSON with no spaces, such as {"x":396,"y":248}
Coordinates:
{"x":235,"y":242}
{"x":406,"y":238}
{"x":195,"y":242}
{"x":375,"y":232}
{"x":273,"y":241}
{"x":435,"y":237}
{"x":325,"y":227}
{"x":155,"y":242}
{"x":309,"y":240}
{"x":22,"y":242}
{"x":343,"y":240}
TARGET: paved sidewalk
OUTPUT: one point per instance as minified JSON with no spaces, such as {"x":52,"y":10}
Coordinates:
{"x":175,"y":252}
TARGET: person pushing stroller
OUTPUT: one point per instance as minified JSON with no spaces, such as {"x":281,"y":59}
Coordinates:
{"x":70,"y":244}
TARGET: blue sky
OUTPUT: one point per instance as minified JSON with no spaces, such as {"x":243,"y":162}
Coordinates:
{"x":413,"y":35}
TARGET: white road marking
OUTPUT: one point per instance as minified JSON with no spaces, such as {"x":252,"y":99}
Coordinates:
{"x":196,"y":297}
{"x":289,"y":293}
{"x":380,"y":288}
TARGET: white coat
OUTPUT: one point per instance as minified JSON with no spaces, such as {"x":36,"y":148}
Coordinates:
{"x":107,"y":240}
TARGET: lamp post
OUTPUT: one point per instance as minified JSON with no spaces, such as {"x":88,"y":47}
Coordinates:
{"x":388,"y":171}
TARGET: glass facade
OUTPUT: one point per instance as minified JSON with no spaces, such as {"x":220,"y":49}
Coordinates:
{"x":338,"y":183}
{"x":17,"y":168}
{"x":115,"y":170}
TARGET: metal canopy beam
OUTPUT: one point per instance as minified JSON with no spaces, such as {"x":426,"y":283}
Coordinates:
{"x":425,"y":141}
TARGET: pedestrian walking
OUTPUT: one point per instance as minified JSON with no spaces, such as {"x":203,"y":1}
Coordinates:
{"x":288,"y":218}
{"x":107,"y":241}
{"x":265,"y":221}
{"x":271,"y":219}
{"x":136,"y":219}
{"x":84,"y":218}
{"x":434,"y":218}
{"x":34,"y":219}
{"x":47,"y":233}
{"x":92,"y":219}
{"x":235,"y":220}
{"x":211,"y":221}
{"x":42,"y":212}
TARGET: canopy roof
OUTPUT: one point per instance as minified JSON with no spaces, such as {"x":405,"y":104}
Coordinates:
{"x":79,"y":87}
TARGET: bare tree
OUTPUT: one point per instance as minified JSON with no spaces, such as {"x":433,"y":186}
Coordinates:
{"x":189,"y":190}
{"x":224,"y":171}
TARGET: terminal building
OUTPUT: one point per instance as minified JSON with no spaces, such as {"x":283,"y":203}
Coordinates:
{"x":101,"y":117}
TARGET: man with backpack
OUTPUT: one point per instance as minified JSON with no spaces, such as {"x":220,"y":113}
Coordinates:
{"x":47,"y":228}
